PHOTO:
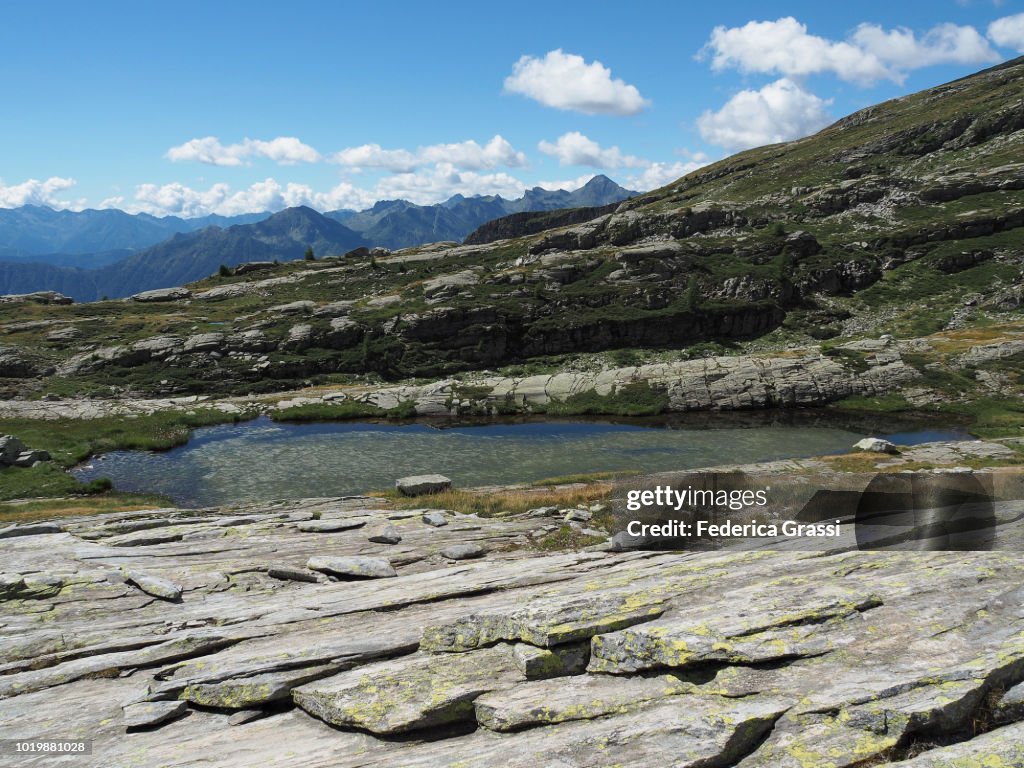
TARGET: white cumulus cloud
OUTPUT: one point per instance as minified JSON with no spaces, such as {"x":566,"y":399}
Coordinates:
{"x":872,"y":53}
{"x":1008,"y":32}
{"x":284,"y":150}
{"x":779,"y":111}
{"x":444,"y":180}
{"x":36,"y":192}
{"x":467,"y":155}
{"x":574,"y":148}
{"x":942,"y":44}
{"x":176,"y":199}
{"x":659,"y":174}
{"x":375,"y":156}
{"x":470,"y":156}
{"x":565,"y":81}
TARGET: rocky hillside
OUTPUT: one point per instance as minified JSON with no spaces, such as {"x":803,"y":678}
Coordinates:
{"x":905,"y":219}
{"x":532,"y":222}
{"x":346,"y":632}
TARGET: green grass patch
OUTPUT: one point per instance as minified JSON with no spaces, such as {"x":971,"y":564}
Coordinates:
{"x":586,"y":478}
{"x":74,"y":506}
{"x":565,"y":538}
{"x":471,"y":391}
{"x":637,"y":399}
{"x":343,"y":411}
{"x":995,"y":417}
{"x":500,"y":503}
{"x":45,"y":480}
{"x":71,"y":441}
{"x":850,"y":358}
{"x":891,"y":403}
{"x":938,"y":377}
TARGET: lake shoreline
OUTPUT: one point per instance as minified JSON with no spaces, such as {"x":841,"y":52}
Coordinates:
{"x":294,"y":460}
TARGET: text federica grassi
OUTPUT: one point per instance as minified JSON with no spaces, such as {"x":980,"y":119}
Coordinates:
{"x":705,"y":528}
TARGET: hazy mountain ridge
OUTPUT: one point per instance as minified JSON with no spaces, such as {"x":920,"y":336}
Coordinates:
{"x":400,"y":224}
{"x":41,"y":234}
{"x":195,"y":248}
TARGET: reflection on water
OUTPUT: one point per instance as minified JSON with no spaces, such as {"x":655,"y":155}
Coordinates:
{"x":261,"y":459}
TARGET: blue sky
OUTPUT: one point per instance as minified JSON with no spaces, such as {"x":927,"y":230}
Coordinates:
{"x":193,"y":108}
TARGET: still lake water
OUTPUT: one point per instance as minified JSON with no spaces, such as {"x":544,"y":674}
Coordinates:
{"x":261,"y":459}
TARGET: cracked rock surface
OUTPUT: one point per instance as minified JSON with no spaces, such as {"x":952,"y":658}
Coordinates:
{"x":516,"y":658}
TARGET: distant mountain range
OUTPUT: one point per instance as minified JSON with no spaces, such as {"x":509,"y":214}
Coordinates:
{"x":96,"y":253}
{"x":92,"y":238}
{"x":400,"y":224}
{"x":188,"y":256}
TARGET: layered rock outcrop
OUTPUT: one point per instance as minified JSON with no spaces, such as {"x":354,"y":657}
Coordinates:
{"x":522,"y":658}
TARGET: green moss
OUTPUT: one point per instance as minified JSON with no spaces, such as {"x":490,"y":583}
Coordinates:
{"x":71,"y":441}
{"x":851,"y":358}
{"x":565,"y":538}
{"x":994,"y":416}
{"x":637,"y":399}
{"x":45,"y":480}
{"x":343,"y":411}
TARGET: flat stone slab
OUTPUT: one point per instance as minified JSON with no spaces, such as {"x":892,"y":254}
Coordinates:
{"x":352,"y":567}
{"x":732,"y":633}
{"x":463,"y":552}
{"x":435,"y":519}
{"x":150,"y":713}
{"x":867,"y":730}
{"x":154,"y":585}
{"x":110,"y":664}
{"x":163,"y":294}
{"x":409,"y":694}
{"x":243,"y":716}
{"x":583,"y":697}
{"x":255,"y":690}
{"x":285,"y":573}
{"x":418,"y":485}
{"x":385,"y":534}
{"x":32,"y":529}
{"x":547,"y":623}
{"x":329,"y":526}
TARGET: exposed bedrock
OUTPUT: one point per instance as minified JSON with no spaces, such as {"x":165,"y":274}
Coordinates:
{"x":518,"y":657}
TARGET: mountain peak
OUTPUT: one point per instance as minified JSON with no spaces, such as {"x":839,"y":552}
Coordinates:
{"x":295,"y":212}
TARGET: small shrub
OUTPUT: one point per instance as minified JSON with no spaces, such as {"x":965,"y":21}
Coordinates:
{"x":626,"y":358}
{"x":692,"y":294}
{"x":95,"y":487}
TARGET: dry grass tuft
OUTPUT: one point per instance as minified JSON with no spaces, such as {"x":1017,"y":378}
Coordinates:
{"x":498,"y":503}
